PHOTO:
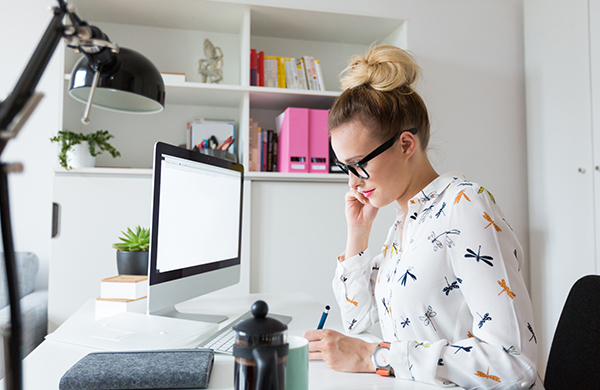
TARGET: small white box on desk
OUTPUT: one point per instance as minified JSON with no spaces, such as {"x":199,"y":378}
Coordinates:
{"x":124,"y":287}
{"x":110,"y":307}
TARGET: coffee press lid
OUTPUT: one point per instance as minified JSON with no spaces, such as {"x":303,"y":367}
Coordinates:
{"x":260,"y":324}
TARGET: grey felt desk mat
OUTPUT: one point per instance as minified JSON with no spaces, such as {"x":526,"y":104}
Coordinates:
{"x":160,"y":369}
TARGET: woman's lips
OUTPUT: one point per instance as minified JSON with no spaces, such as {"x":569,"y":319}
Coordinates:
{"x":368,"y":193}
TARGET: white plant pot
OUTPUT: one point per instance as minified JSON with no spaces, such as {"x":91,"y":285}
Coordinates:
{"x":79,"y":156}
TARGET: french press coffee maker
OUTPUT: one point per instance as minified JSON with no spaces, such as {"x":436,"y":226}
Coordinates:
{"x":260,"y":351}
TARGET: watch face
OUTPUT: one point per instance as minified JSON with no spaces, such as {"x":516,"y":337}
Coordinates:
{"x":381,"y":357}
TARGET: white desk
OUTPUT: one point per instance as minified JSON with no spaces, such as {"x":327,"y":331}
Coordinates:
{"x":44,"y":367}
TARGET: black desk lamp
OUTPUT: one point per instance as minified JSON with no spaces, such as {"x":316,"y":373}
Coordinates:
{"x":123,"y":80}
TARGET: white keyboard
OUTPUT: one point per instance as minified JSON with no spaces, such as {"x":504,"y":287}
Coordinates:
{"x":223,"y":340}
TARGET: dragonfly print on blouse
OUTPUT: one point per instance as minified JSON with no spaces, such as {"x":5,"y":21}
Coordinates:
{"x":487,"y":375}
{"x":428,"y":317}
{"x":484,"y":318}
{"x":441,"y":211}
{"x":461,"y":347}
{"x":479,"y":257}
{"x":506,"y":289}
{"x":491,"y":222}
{"x":405,"y":322}
{"x":438,"y":244}
{"x":452,"y":286}
{"x":461,"y":195}
{"x":405,"y":276}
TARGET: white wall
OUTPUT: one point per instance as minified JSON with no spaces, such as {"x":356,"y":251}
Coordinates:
{"x":21,"y":27}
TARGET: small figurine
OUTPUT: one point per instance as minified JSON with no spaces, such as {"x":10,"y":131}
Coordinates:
{"x":212,"y":66}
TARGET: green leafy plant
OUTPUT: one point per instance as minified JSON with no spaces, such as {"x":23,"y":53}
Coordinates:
{"x":138,"y":241}
{"x":98,"y":142}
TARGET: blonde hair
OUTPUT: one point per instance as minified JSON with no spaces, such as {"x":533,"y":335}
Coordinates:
{"x":379,"y":92}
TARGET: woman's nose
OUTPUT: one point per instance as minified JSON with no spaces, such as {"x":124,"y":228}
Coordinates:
{"x":354,"y":181}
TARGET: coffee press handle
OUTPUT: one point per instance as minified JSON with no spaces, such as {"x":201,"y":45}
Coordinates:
{"x":266,"y":362}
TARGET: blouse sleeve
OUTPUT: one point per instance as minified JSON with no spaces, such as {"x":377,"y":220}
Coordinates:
{"x":353,"y":286}
{"x":499,"y":348}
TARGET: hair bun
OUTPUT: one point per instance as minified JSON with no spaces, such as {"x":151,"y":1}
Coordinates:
{"x":383,"y":68}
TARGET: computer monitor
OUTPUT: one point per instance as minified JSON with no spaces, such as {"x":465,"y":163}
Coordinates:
{"x":195,"y":238}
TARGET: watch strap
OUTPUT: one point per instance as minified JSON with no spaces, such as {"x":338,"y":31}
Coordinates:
{"x":384,"y":371}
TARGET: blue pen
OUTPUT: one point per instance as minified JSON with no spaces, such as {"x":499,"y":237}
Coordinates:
{"x":323,"y":317}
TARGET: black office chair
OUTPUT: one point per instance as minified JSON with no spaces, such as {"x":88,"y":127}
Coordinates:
{"x":574,"y":359}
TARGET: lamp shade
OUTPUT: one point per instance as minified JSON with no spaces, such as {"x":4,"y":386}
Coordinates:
{"x":132,"y":85}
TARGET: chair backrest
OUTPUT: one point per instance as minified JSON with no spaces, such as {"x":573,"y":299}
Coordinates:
{"x":27,"y":269}
{"x":574,"y":359}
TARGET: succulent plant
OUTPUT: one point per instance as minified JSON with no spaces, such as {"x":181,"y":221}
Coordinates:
{"x":138,"y":241}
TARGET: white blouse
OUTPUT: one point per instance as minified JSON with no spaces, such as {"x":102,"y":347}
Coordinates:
{"x":448,"y":292}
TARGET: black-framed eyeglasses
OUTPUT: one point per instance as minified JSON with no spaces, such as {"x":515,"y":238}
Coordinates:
{"x":358,"y":168}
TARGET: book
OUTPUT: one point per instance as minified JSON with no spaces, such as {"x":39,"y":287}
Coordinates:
{"x":291,"y":81}
{"x":271,"y":72}
{"x":301,"y":73}
{"x":106,"y":307}
{"x":173,"y":78}
{"x":320,"y":76}
{"x":281,"y":82}
{"x":254,"y":156}
{"x":270,"y":143}
{"x":311,"y":73}
{"x":124,"y":287}
{"x":260,"y":78}
{"x":253,"y":66}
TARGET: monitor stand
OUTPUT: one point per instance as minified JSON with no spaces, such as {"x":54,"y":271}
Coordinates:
{"x":174,"y":313}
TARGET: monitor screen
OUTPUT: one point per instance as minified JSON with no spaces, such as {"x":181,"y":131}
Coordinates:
{"x":195,"y":238}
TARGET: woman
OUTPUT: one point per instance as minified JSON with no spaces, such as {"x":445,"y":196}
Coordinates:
{"x":446,"y":288}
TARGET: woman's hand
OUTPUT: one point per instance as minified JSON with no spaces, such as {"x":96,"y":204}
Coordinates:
{"x":340,"y":352}
{"x":360,"y":215}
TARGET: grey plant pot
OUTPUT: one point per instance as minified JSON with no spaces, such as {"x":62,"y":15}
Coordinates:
{"x":132,"y":263}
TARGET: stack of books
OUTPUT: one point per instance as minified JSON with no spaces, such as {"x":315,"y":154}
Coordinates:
{"x":122,"y":293}
{"x":263,"y":149}
{"x":285,"y":72}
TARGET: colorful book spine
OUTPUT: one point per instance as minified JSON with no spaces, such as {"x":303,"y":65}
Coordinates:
{"x":261,"y":69}
{"x":320,"y":75}
{"x":301,"y":73}
{"x":271,"y":72}
{"x":281,"y":72}
{"x":253,"y":67}
{"x":311,"y":73}
{"x":290,"y":74}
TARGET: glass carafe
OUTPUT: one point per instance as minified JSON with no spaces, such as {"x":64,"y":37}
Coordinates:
{"x":260,"y":351}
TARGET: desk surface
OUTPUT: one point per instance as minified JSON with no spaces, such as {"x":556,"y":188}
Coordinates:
{"x":44,"y":367}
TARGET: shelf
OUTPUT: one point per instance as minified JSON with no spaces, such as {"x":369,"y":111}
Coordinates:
{"x":223,"y":95}
{"x":312,"y":177}
{"x":103,"y":171}
{"x":281,"y":98}
{"x":252,"y":176}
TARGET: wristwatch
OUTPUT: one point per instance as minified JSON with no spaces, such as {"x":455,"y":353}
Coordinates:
{"x":381,"y":359}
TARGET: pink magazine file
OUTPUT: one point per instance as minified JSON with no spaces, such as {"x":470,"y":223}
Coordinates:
{"x":318,"y":142}
{"x":293,"y":141}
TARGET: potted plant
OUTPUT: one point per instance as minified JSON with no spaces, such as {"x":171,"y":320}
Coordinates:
{"x":132,"y":251}
{"x":78,"y":150}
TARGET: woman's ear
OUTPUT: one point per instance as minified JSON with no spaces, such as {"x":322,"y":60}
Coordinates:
{"x":408,"y":143}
